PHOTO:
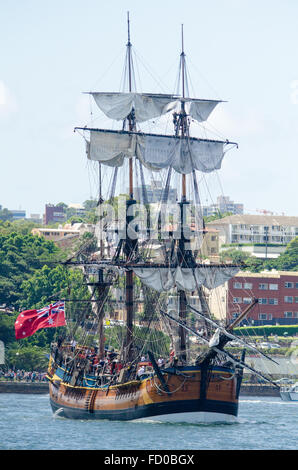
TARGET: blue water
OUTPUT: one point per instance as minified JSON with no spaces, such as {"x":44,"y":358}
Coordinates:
{"x":264,"y":423}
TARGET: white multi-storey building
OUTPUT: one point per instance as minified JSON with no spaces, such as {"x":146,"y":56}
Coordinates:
{"x":271,"y":233}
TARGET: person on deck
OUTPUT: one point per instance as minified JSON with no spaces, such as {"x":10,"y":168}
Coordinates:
{"x":141,"y":371}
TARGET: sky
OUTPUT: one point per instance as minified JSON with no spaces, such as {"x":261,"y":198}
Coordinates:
{"x":243,"y":52}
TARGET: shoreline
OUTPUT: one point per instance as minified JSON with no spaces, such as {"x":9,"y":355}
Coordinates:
{"x":43,"y":388}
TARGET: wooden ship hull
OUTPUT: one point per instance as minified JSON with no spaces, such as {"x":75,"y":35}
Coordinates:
{"x":192,"y":395}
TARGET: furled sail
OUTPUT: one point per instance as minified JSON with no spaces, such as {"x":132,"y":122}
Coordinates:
{"x":111,"y":147}
{"x":156,"y":152}
{"x":183,"y":154}
{"x":189,"y":279}
{"x":146,"y":106}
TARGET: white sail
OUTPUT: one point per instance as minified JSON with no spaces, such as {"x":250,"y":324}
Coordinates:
{"x":164,"y":279}
{"x":146,"y":106}
{"x":214,"y":340}
{"x":110,"y":148}
{"x":156,"y":152}
{"x":200,"y":110}
{"x":183,"y":154}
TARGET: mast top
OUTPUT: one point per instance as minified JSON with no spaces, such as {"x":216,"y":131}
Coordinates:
{"x":128,"y":30}
{"x":182,"y":41}
{"x":182,"y":55}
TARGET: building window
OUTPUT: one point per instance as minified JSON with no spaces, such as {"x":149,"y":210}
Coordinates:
{"x":295,"y":314}
{"x":273,"y":286}
{"x":270,"y":316}
{"x":262,"y":301}
{"x":194,"y":301}
{"x":237,"y":300}
{"x":262,"y":316}
{"x":288,"y":299}
{"x":296,"y":285}
{"x":273,"y":301}
{"x":237,"y":285}
{"x":246,"y":300}
{"x":288,"y":314}
{"x":289,"y":285}
{"x":247,"y":285}
{"x":296,"y":300}
{"x":263,"y":286}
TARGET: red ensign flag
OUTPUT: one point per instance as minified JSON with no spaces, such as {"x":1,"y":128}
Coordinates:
{"x":29,"y":321}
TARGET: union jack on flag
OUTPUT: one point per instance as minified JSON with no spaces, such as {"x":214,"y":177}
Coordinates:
{"x":29,"y":321}
{"x":51,"y":309}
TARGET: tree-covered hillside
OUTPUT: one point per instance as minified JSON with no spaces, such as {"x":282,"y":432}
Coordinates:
{"x":30,"y":277}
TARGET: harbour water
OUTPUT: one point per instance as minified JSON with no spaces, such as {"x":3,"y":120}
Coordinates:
{"x":264,"y":423}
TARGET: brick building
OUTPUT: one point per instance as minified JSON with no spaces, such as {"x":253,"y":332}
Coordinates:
{"x":54,"y":214}
{"x":277,"y":294}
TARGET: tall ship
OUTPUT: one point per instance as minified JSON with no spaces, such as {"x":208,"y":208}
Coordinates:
{"x":167,"y":359}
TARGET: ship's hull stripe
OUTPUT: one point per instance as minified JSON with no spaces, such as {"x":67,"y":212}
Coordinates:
{"x":145,"y":411}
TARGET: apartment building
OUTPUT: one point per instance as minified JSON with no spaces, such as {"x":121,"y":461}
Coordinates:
{"x":223,"y":204}
{"x":277,"y":294}
{"x":263,"y":236}
{"x":55,"y":234}
{"x":18,"y":214}
{"x":210,"y":245}
{"x":63,"y":236}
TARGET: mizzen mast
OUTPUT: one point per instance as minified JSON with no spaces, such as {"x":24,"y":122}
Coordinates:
{"x":131,"y":120}
{"x":183,"y":117}
{"x":182,"y":130}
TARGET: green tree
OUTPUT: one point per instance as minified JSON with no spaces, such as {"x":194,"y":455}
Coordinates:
{"x":7,"y":334}
{"x":50,"y":283}
{"x":218,"y":215}
{"x":254,"y":264}
{"x":5,"y":214}
{"x":90,"y":204}
{"x":62,"y":204}
{"x":20,"y":255}
{"x":29,"y":358}
{"x":236,"y":256}
{"x":287,"y":261}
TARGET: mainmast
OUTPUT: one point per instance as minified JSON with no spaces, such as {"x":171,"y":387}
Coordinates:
{"x":130,"y":245}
